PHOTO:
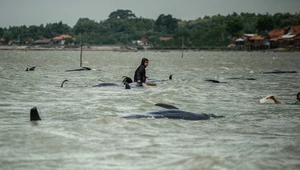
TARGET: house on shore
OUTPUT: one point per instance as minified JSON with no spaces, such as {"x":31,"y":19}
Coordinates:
{"x":58,"y":40}
{"x":286,"y":37}
{"x":61,"y":40}
{"x":43,"y":42}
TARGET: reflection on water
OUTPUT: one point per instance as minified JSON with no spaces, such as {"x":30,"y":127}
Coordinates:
{"x":81,"y":125}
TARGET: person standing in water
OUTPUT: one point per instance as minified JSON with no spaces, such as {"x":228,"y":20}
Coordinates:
{"x":140,"y":72}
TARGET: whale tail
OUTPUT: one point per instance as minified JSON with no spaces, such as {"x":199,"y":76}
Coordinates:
{"x":34,"y":114}
{"x":127,"y":79}
{"x":127,"y":86}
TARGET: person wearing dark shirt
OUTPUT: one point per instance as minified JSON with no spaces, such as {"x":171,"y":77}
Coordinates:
{"x":140,"y":72}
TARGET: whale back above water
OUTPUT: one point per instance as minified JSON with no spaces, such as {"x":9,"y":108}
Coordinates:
{"x":106,"y":85}
{"x":172,"y":112}
{"x":80,"y":69}
{"x":280,"y":72}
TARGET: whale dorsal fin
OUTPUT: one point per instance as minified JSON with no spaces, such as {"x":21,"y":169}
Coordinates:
{"x":87,"y":68}
{"x":167,"y":106}
{"x":34,"y":114}
{"x":62,"y":84}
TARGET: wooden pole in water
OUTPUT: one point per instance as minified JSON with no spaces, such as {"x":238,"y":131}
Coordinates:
{"x":80,"y":54}
{"x":182,"y":46}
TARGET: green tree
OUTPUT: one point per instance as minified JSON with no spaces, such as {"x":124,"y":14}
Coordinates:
{"x":234,"y":26}
{"x":122,"y":14}
{"x":166,"y":23}
{"x":1,"y":32}
{"x":85,"y":25}
{"x":265,"y":23}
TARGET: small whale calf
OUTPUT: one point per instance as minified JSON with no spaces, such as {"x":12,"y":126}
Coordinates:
{"x":173,"y":112}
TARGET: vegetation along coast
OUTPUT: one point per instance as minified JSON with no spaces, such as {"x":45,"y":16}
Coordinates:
{"x":123,"y":31}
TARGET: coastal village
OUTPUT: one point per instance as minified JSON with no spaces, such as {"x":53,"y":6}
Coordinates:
{"x":288,"y":37}
{"x":284,"y":39}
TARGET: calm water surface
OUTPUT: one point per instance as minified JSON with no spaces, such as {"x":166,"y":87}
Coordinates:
{"x":82,"y":128}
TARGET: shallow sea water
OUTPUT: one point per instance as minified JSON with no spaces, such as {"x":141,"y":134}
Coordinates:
{"x":82,"y":128}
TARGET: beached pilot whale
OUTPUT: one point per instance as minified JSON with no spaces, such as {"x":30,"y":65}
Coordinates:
{"x":241,"y":78}
{"x":127,"y":81}
{"x":279,"y":72}
{"x":104,"y":84}
{"x":213,"y":81}
{"x":80,"y":69}
{"x":173,"y":112}
{"x":159,"y":80}
{"x":30,"y":69}
{"x":231,"y":78}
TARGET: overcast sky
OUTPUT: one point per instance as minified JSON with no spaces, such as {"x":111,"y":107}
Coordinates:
{"x":37,"y":12}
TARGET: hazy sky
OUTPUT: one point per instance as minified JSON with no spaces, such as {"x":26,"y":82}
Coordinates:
{"x":36,"y":12}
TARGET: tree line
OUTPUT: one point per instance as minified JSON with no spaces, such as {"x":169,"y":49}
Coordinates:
{"x":122,"y":27}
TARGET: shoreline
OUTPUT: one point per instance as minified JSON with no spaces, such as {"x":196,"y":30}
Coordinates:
{"x":119,"y":48}
{"x":65,"y":48}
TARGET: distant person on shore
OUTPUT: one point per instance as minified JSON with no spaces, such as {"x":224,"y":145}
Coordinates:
{"x":278,"y":102}
{"x":140,"y":72}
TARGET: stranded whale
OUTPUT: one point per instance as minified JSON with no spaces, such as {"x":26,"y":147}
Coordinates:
{"x":80,"y":69}
{"x":149,"y":82}
{"x":173,"y":113}
{"x":214,"y":81}
{"x":279,"y":72}
{"x":104,"y":84}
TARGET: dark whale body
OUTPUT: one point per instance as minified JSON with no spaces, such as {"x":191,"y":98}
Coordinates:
{"x":173,"y":113}
{"x":279,"y":72}
{"x":97,"y":85}
{"x":80,"y":69}
{"x":127,"y":81}
{"x":159,"y":80}
{"x":30,"y":69}
{"x":214,"y":81}
{"x":106,"y":85}
{"x":242,"y":78}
